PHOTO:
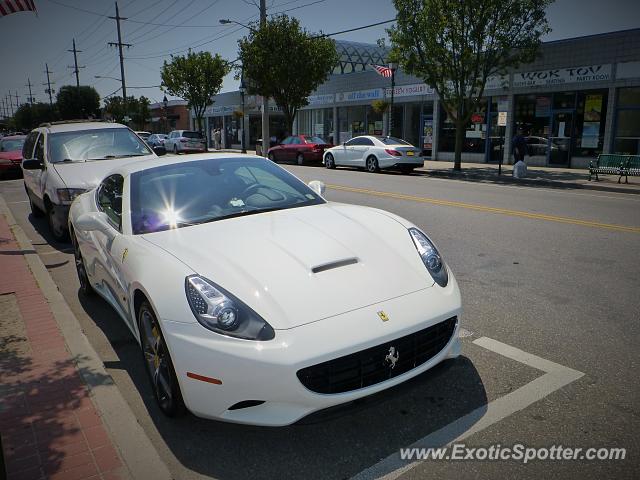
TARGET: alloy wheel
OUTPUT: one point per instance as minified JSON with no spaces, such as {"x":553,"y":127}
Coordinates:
{"x":329,"y":161}
{"x":372,"y":164}
{"x":300,"y":159}
{"x":158,"y":363}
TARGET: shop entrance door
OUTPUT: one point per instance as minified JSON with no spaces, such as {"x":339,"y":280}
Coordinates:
{"x":426,"y":135}
{"x":561,"y":135}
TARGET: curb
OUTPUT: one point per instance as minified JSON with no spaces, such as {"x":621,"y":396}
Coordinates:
{"x":136,"y":450}
{"x":524,"y":182}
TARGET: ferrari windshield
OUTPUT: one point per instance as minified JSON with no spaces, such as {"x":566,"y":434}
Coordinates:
{"x":188,"y":193}
{"x":95,"y":144}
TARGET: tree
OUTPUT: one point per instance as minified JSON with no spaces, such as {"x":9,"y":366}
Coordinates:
{"x":455,"y":45}
{"x":30,"y":116}
{"x":137,"y":109}
{"x":285,"y":62}
{"x":196,"y":78}
{"x":75,"y":103}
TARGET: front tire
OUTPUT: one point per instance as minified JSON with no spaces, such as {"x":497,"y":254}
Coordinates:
{"x":372,"y":164}
{"x":175,"y":149}
{"x":159,"y":365}
{"x":271,"y":157}
{"x":329,"y":161}
{"x":85,"y":285}
{"x":58,"y":232}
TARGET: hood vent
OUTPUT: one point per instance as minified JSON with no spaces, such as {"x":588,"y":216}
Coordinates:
{"x":332,"y":265}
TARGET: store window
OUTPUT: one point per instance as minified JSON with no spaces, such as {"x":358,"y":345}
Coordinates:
{"x":304,"y":122}
{"x":322,"y":124}
{"x":475,"y":131}
{"x":627,"y":124}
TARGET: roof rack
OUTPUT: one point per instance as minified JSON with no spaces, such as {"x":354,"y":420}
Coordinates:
{"x":63,"y":122}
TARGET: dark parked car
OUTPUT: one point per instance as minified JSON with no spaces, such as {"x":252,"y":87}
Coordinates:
{"x":299,"y":148}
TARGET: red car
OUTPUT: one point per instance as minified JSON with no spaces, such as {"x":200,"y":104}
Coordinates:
{"x":11,"y":154}
{"x":299,"y":148}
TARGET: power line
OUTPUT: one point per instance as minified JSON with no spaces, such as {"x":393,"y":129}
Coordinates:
{"x":355,"y":29}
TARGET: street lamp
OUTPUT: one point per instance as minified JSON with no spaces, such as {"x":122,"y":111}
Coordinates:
{"x":165,"y":103}
{"x":242,"y":90}
{"x":226,"y":21}
{"x":110,"y":78}
{"x":393,"y":66}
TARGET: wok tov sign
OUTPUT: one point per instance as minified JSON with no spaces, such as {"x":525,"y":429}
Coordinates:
{"x":559,"y":76}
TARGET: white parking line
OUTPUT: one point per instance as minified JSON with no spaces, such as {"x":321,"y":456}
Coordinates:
{"x":555,"y":377}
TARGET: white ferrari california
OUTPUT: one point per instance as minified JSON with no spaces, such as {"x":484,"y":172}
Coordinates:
{"x":374,"y":153}
{"x":255,"y":300}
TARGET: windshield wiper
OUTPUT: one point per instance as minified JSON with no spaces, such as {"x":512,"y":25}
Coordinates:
{"x":241,"y":214}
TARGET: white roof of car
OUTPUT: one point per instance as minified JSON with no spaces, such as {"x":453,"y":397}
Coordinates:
{"x":75,"y":126}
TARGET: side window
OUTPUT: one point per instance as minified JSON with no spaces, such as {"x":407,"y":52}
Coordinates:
{"x":287,"y":141}
{"x":29,"y":143}
{"x":352,"y":142}
{"x":295,"y":141}
{"x":110,"y":199}
{"x":38,"y":153}
{"x":366,"y":141}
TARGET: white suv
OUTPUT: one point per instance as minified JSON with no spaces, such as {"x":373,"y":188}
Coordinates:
{"x":185,"y":141}
{"x":61,"y":160}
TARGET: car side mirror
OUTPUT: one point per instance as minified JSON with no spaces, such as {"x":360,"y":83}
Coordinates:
{"x":159,"y":150}
{"x":32,"y":164}
{"x":317,"y":186}
{"x":93,"y":221}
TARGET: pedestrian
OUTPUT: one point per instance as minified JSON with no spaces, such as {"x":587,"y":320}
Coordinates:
{"x":216,"y":138}
{"x":519,"y":146}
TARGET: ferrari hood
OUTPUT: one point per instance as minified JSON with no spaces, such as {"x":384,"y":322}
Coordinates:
{"x":305,"y":264}
{"x":88,"y":174}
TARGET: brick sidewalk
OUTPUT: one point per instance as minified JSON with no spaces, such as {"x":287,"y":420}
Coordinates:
{"x":48,"y":423}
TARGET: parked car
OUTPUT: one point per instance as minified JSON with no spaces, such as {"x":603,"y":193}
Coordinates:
{"x":185,"y":141}
{"x":299,"y":148}
{"x":215,"y":263}
{"x":11,"y":154}
{"x":374,"y":153}
{"x":64,"y":159}
{"x":144,"y":135}
{"x":157,"y":139}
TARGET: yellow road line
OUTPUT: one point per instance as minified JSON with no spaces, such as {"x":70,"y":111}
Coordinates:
{"x":483,"y":208}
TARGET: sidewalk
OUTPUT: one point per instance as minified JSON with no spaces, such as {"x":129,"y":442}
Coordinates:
{"x":548,"y":177}
{"x":49,"y":424}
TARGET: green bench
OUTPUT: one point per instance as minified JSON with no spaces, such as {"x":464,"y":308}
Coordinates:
{"x":615,"y":164}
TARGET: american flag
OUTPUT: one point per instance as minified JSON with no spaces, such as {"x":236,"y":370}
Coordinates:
{"x":386,"y":72}
{"x":7,"y":7}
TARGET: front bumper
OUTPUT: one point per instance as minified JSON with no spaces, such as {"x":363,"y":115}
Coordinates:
{"x":267,"y":371}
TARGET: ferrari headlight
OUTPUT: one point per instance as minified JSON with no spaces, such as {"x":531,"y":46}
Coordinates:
{"x":67,"y":195}
{"x":218,"y":310}
{"x":430,"y":257}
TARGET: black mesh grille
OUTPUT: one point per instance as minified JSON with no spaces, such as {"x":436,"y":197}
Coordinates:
{"x":368,"y":367}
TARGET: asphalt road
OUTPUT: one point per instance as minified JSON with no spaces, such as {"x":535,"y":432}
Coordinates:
{"x":550,"y":272}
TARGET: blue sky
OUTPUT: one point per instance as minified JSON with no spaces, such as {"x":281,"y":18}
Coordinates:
{"x":29,"y":41}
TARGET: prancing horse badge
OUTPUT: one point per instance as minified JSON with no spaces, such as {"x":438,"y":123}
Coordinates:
{"x":383,"y":316}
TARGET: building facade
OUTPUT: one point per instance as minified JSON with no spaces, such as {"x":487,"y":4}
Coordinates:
{"x":581,"y":97}
{"x":175,"y":116}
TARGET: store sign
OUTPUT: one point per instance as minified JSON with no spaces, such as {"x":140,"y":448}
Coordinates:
{"x":371,"y":94}
{"x":410,"y":90}
{"x":561,"y":76}
{"x":628,"y":70}
{"x":495,"y":82}
{"x":477,"y":118}
{"x":320,"y":99}
{"x":502,"y":119}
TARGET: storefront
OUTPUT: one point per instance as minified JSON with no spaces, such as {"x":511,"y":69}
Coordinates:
{"x":579,"y":98}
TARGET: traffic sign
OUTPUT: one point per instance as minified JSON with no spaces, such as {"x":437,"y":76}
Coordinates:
{"x":502,"y":119}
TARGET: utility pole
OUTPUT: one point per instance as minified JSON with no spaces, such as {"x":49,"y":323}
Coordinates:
{"x":75,"y":63}
{"x":17,"y":97}
{"x":265,"y":100}
{"x":30,"y":94}
{"x":48,"y":84}
{"x":4,"y":112}
{"x":117,"y":18}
